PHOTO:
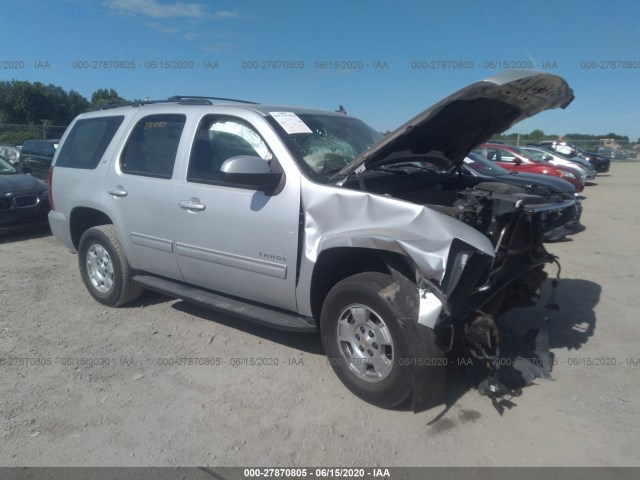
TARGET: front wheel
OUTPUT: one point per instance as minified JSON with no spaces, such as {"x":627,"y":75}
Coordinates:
{"x":364,"y":340}
{"x":104,"y":267}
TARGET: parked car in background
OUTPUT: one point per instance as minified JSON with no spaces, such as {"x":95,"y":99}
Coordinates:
{"x":584,"y":170}
{"x":572,"y":157}
{"x":613,"y":153}
{"x":510,"y":158}
{"x":477,"y":169}
{"x":11,"y":154}
{"x":23,"y":199}
{"x":600,"y":163}
{"x":36,"y":157}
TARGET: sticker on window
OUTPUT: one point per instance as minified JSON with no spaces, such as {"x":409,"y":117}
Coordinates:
{"x":290,"y":122}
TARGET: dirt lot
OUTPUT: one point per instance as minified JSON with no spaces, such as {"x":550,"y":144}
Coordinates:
{"x":95,"y":386}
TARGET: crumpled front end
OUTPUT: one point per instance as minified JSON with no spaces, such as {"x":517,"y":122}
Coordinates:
{"x":476,"y":258}
{"x":477,"y":293}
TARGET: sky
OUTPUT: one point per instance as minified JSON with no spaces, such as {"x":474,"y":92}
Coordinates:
{"x":384,"y":61}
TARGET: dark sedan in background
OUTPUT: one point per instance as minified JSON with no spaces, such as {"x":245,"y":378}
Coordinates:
{"x":23,"y":199}
{"x":475,"y":165}
{"x":36,"y":157}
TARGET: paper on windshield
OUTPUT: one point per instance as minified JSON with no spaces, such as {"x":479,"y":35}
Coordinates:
{"x":290,"y":122}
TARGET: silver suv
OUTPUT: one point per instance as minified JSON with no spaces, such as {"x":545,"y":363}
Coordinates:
{"x":310,"y":220}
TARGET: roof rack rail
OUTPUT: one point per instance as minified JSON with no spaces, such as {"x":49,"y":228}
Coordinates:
{"x":137,"y":103}
{"x":115,"y":105}
{"x":177,"y":98}
{"x":183,"y":99}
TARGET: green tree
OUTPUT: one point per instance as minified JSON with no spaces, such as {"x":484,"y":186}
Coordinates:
{"x":40,"y":106}
{"x":103,"y":96}
{"x":77,"y":103}
{"x":536,"y":135}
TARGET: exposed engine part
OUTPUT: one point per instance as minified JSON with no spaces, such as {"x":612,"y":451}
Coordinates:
{"x":483,"y":337}
{"x":500,"y":360}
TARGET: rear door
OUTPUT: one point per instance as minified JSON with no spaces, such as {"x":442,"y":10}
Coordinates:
{"x":139,"y":191}
{"x":230,"y":239}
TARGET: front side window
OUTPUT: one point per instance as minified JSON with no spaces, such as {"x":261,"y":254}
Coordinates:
{"x":152,"y":147}
{"x":535,"y":155}
{"x":506,"y":156}
{"x":217,"y":140}
{"x":494,"y":155}
{"x":477,"y":162}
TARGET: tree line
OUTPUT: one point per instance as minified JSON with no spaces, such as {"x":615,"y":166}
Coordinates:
{"x":32,"y":110}
{"x":539,"y":135}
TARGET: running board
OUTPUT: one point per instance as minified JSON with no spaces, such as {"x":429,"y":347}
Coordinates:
{"x":279,"y":319}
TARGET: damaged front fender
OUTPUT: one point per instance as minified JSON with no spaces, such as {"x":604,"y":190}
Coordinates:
{"x":340,"y":217}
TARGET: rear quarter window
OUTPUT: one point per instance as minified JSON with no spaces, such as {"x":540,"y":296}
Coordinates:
{"x":87,"y":141}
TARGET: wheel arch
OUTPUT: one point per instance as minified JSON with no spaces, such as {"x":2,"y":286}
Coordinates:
{"x":336,"y":264}
{"x":82,"y":219}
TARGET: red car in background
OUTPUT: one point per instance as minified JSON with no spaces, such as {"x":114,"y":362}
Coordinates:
{"x":512,"y":159}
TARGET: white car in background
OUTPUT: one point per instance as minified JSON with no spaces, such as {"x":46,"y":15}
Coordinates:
{"x":540,"y":154}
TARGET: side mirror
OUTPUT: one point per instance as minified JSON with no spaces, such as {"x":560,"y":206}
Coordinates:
{"x":517,"y":161}
{"x":24,"y":168}
{"x":250,"y":172}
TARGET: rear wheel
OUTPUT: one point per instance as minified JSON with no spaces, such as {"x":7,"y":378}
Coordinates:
{"x":104,"y":267}
{"x":364,"y":340}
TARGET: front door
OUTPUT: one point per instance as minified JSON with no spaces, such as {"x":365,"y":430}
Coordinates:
{"x":234,"y":240}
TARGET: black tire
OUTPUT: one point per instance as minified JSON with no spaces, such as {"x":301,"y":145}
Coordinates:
{"x":367,"y":289}
{"x":109,"y":283}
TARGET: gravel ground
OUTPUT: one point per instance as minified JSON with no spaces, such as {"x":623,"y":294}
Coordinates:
{"x":85,"y":385}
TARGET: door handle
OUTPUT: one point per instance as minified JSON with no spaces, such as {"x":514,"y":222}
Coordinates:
{"x":117,"y":191}
{"x":192,"y":204}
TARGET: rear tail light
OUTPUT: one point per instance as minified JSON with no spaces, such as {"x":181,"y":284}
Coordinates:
{"x":50,"y":186}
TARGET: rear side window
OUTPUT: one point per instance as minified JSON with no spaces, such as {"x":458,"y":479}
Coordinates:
{"x":152,"y":147}
{"x":87,"y":141}
{"x":27,"y":148}
{"x":48,"y":150}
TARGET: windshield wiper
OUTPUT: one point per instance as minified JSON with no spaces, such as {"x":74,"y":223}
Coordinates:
{"x":388,"y":169}
{"x":417,"y":166}
{"x":396,"y":168}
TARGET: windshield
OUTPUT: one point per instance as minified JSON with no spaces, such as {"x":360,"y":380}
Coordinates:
{"x":483,"y":166}
{"x":6,"y":168}
{"x":325,"y":144}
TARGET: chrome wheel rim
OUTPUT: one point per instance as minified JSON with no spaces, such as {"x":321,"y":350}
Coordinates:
{"x":100,"y":268}
{"x":365,"y":343}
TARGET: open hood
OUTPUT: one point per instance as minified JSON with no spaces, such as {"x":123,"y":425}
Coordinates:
{"x":450,"y":129}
